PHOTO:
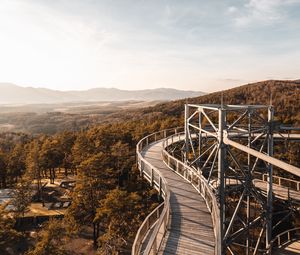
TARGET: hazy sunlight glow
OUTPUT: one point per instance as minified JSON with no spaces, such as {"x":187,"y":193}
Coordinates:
{"x":131,"y":44}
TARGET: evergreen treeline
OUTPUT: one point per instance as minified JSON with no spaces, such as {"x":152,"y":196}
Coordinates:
{"x":283,"y":95}
{"x":109,"y":196}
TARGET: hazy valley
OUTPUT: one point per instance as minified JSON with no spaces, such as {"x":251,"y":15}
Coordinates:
{"x":94,"y":145}
{"x":39,"y":110}
{"x":149,"y":127}
{"x":13,"y":94}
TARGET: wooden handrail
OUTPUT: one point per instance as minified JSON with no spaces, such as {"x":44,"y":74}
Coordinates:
{"x":280,"y":241}
{"x":152,"y":174}
{"x":293,"y":183}
{"x":198,"y":181}
{"x":145,"y":227}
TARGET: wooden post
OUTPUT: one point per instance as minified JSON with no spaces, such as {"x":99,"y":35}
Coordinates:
{"x":159,"y":185}
{"x":141,"y":167}
{"x":152,"y":177}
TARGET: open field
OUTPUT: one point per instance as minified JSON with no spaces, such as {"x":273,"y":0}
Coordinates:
{"x":52,"y":118}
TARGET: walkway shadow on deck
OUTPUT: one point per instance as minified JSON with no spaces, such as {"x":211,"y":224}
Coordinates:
{"x":293,"y":248}
{"x":286,"y":252}
{"x":171,"y":241}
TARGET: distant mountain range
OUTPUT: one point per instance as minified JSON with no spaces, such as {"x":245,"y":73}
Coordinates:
{"x":13,"y":94}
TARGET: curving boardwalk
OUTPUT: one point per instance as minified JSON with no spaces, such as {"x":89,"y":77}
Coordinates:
{"x":191,"y":228}
{"x":289,"y":249}
{"x":279,"y":191}
{"x":187,"y":222}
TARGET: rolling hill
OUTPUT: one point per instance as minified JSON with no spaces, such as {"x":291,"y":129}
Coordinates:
{"x":285,"y":98}
{"x":282,"y":94}
{"x":13,"y":94}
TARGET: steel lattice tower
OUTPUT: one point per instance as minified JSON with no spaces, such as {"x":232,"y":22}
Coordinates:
{"x":221,"y":142}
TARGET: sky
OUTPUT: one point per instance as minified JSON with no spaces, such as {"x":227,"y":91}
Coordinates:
{"x":137,"y":44}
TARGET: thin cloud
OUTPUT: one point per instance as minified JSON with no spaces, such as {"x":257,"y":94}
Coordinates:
{"x":232,"y":80}
{"x":133,"y":43}
{"x":264,"y":12}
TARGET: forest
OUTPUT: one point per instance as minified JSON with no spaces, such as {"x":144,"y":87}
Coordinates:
{"x":109,"y":200}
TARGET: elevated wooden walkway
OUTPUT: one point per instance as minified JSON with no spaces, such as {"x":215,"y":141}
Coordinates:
{"x":191,"y":228}
{"x":286,"y":243}
{"x":187,"y":222}
{"x":279,"y":191}
{"x":290,"y":249}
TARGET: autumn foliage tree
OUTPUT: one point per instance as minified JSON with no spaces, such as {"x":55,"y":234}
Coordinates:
{"x":117,"y":216}
{"x":8,"y":235}
{"x":50,"y":240}
{"x":110,"y":198}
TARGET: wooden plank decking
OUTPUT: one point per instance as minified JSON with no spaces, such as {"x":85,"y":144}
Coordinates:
{"x":191,"y":229}
{"x":279,"y":191}
{"x":290,"y":249}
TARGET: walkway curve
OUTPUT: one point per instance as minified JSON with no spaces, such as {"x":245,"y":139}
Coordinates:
{"x":287,"y":243}
{"x":190,"y":229}
{"x":167,"y":229}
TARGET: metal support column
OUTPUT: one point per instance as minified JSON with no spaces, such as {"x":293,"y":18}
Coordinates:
{"x":270,"y":177}
{"x":221,"y":174}
{"x":248,"y":183}
{"x":186,"y":132}
{"x":200,"y":135}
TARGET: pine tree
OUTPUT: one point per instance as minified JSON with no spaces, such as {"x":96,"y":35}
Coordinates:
{"x":8,"y":235}
{"x":50,"y":240}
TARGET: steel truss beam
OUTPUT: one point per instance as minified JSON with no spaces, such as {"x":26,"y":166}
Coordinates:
{"x":226,"y":144}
